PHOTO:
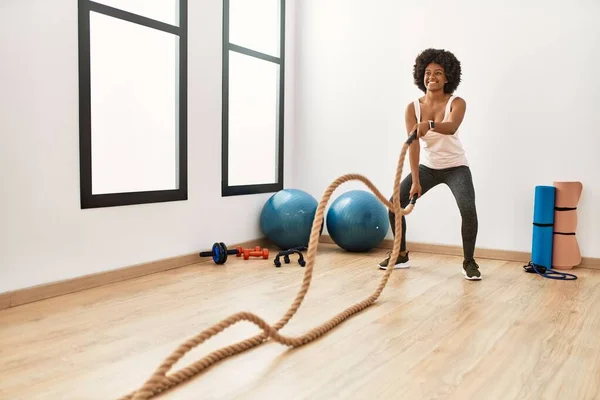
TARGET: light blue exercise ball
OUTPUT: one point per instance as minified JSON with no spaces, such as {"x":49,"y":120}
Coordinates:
{"x":287,"y":217}
{"x":357,"y":221}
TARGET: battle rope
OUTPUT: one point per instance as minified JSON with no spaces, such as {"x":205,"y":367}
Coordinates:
{"x":160,"y":381}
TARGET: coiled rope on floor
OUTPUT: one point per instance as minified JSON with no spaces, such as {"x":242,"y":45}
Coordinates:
{"x":160,"y":382}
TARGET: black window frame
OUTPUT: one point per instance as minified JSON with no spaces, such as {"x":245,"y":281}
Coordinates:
{"x":87,"y":198}
{"x":226,"y":188}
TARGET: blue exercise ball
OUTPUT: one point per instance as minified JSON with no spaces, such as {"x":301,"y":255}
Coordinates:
{"x":287,"y":217}
{"x":357,"y":221}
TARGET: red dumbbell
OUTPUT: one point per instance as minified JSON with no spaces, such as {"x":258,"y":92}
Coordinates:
{"x":242,"y":250}
{"x":257,"y":253}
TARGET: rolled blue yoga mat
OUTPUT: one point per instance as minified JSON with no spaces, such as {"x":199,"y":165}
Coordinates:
{"x":543,"y":226}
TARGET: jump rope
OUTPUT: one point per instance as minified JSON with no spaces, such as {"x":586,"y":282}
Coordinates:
{"x":549,"y":273}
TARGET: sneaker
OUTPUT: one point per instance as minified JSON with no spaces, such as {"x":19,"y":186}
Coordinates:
{"x":401,"y":262}
{"x":471,"y":270}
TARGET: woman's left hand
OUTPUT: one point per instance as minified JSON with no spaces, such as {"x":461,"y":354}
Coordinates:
{"x":422,"y":128}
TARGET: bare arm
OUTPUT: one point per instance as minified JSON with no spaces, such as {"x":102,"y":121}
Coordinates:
{"x":457,"y":114}
{"x":415,"y":148}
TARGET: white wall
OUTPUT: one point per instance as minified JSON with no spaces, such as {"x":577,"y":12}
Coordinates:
{"x":44,"y":235}
{"x":531,"y":86}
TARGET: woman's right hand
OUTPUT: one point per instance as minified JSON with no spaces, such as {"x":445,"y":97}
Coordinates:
{"x":415,"y":189}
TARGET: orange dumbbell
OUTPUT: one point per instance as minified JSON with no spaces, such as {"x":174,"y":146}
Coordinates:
{"x":264,"y":253}
{"x":241,"y":250}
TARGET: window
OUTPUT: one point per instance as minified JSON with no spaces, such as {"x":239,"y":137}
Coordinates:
{"x":133,"y":101}
{"x":253,"y":90}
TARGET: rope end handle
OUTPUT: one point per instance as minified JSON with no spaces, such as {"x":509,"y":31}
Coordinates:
{"x":411,"y":137}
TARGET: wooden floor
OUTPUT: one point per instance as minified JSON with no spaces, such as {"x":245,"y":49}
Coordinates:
{"x":431,"y":335}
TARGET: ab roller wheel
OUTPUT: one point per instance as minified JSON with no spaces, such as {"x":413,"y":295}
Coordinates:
{"x":218,"y":253}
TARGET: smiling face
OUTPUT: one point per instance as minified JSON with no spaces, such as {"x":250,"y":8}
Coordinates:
{"x":434,"y":78}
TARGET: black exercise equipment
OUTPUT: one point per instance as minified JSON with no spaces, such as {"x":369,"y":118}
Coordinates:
{"x":548,"y":272}
{"x":219,"y":253}
{"x":286,"y":257}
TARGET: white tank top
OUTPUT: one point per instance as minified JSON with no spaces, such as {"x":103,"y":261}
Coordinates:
{"x":441,"y":151}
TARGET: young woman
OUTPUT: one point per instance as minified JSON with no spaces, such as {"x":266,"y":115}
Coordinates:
{"x":438,"y":156}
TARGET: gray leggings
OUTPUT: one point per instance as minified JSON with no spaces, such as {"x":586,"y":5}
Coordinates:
{"x":460,"y":182}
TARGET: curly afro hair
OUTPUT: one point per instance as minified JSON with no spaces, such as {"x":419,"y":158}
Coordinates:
{"x":446,"y":59}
